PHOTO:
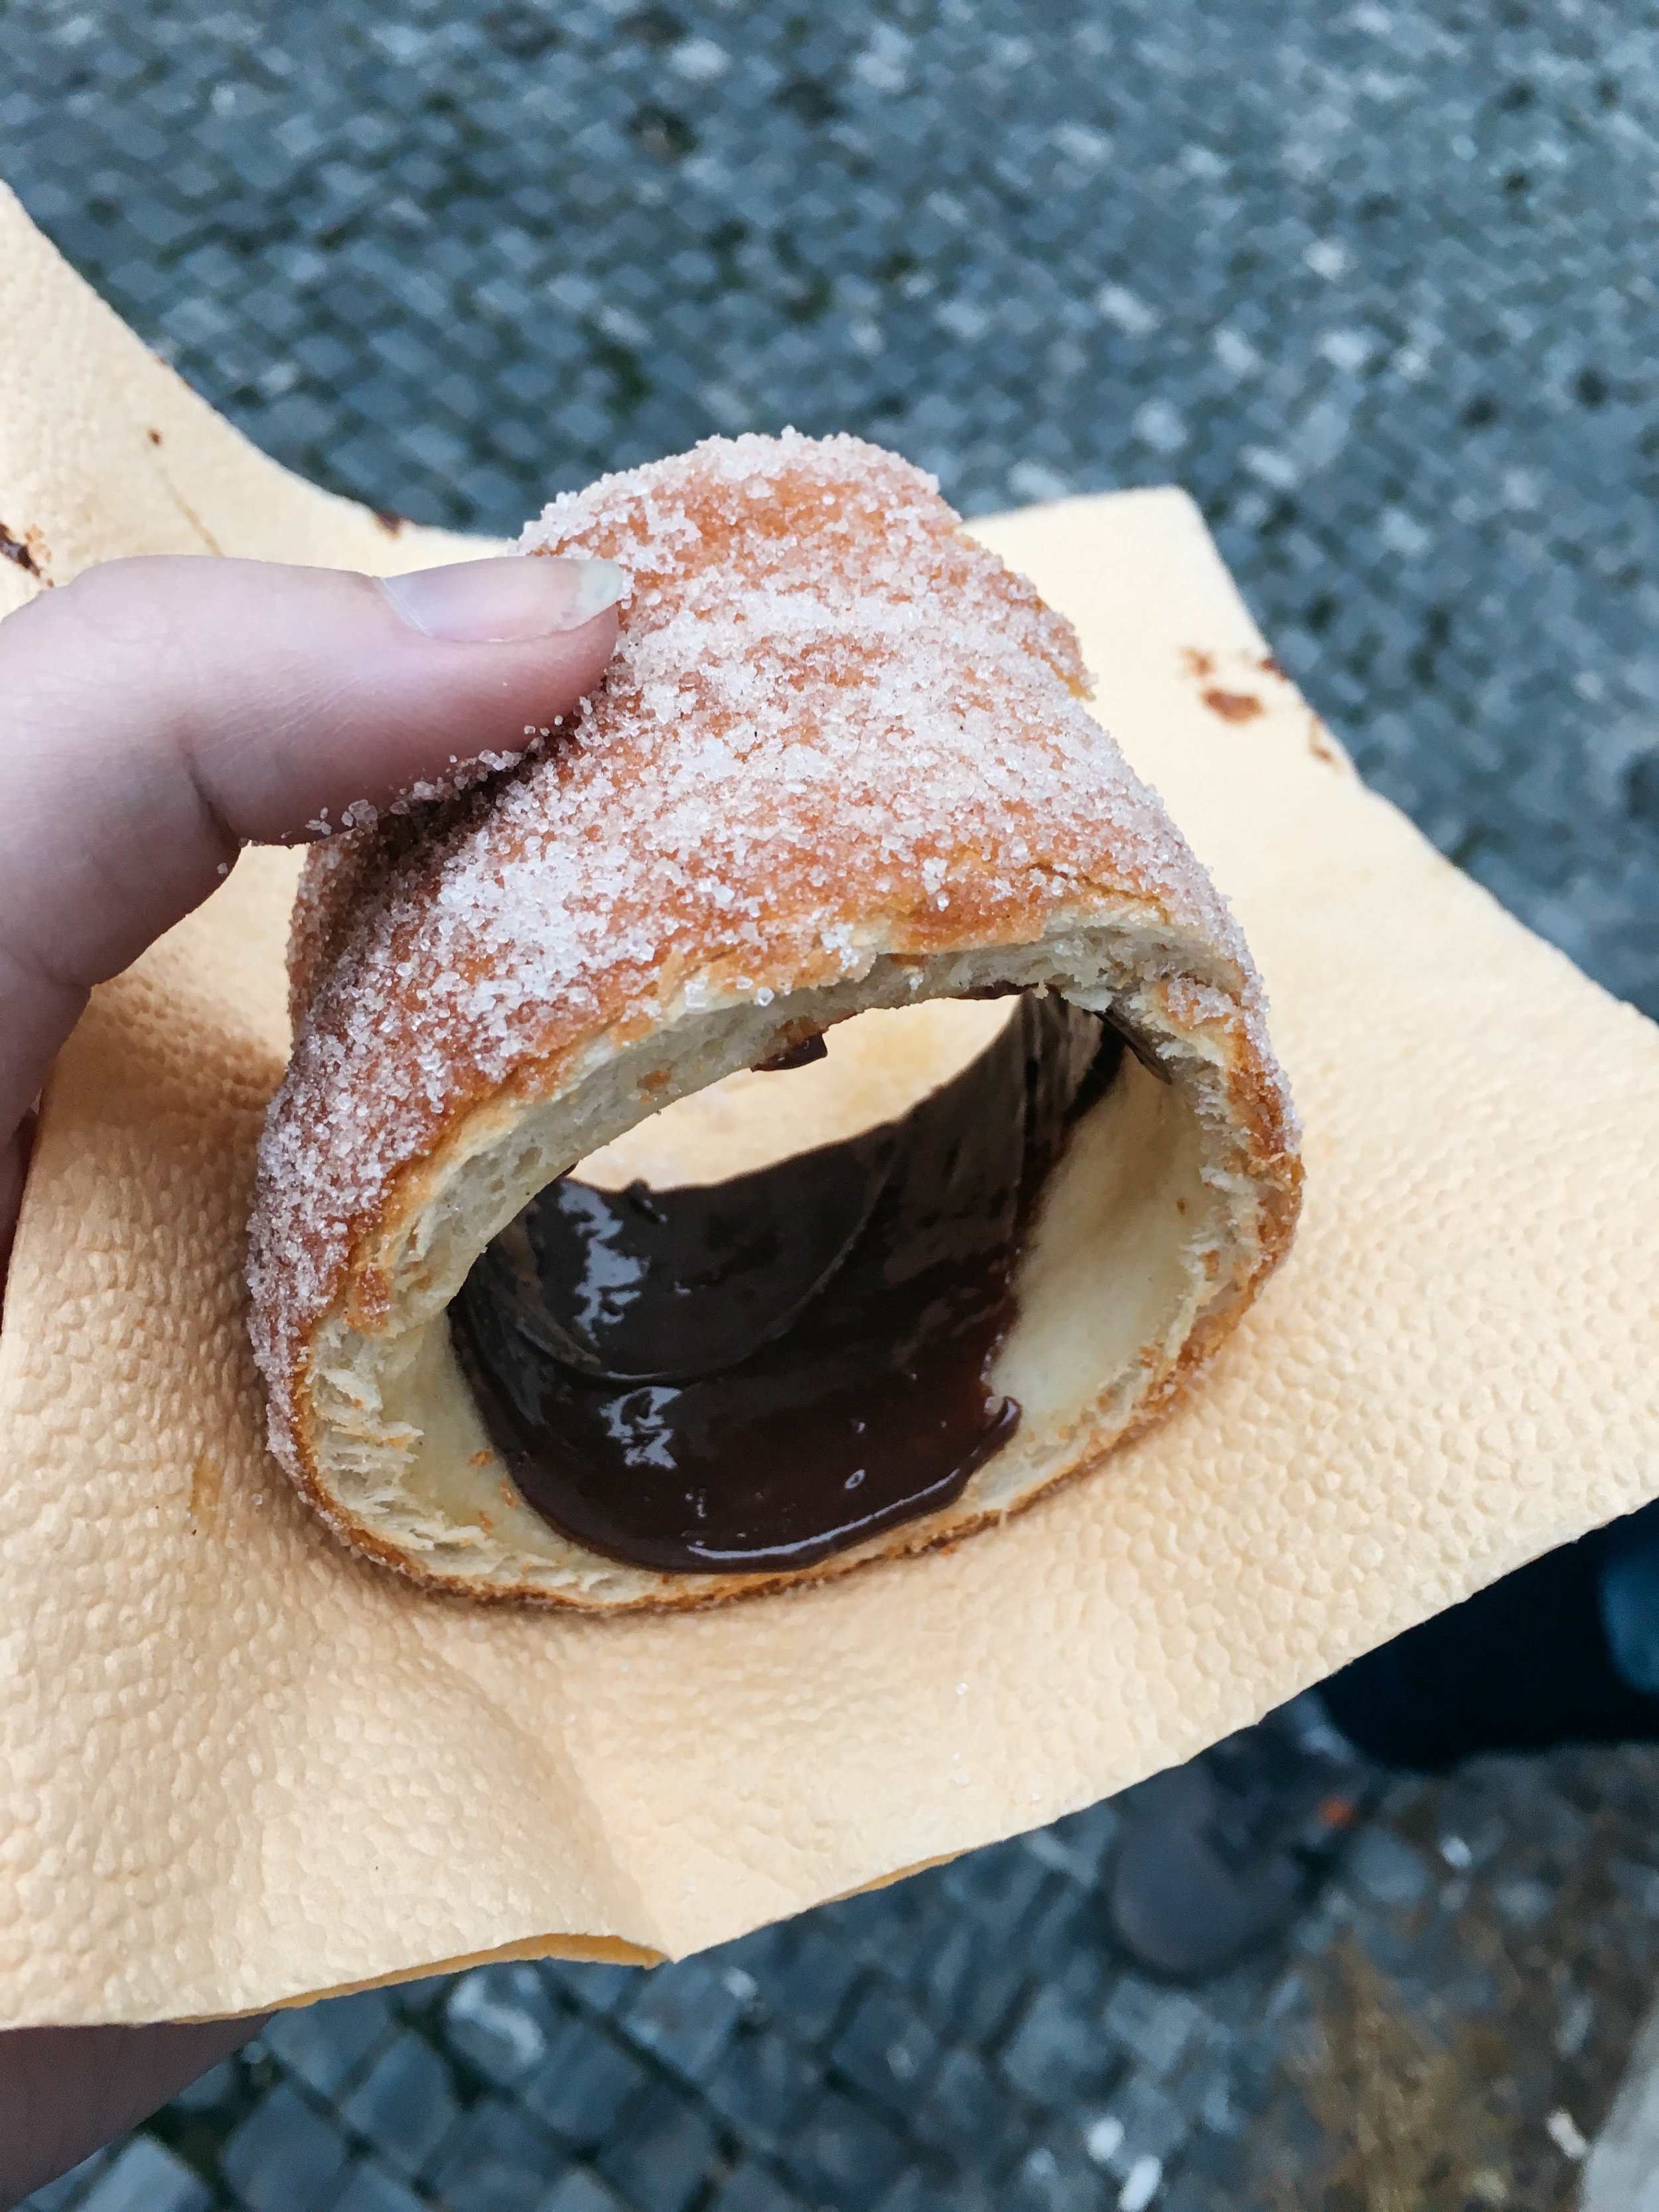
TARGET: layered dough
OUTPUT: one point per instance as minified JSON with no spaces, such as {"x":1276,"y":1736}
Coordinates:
{"x":837,"y":778}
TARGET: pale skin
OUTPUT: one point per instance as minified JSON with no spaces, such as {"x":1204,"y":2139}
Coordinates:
{"x":158,"y":714}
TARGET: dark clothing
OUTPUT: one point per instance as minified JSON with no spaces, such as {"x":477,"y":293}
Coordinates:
{"x":1565,"y":1650}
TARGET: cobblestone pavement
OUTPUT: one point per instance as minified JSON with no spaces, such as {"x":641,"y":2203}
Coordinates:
{"x":1375,"y":282}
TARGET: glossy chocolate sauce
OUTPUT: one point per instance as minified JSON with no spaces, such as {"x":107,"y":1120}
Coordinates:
{"x":755,"y":1373}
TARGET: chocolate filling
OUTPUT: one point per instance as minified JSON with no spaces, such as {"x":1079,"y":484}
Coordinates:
{"x":756,"y":1373}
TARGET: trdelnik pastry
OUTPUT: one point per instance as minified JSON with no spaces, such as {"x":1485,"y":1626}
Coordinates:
{"x":794,"y":1116}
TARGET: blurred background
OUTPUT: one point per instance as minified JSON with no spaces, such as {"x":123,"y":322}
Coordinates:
{"x":1376,"y":282}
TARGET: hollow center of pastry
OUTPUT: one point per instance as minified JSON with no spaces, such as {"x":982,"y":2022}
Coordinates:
{"x":759,"y":1328}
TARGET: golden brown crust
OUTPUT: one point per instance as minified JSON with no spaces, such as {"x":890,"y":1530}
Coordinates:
{"x":838,"y":738}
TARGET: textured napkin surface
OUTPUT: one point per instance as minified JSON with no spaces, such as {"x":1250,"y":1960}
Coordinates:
{"x":241,"y":1766}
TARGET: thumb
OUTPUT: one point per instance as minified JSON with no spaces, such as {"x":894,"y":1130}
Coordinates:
{"x":161,"y":713}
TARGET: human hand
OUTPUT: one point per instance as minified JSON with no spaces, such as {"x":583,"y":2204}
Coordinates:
{"x":158,"y":714}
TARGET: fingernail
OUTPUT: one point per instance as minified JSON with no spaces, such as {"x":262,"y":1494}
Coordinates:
{"x":504,"y":601}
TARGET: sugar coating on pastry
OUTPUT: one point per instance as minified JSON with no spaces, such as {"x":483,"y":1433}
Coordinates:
{"x":840,"y":759}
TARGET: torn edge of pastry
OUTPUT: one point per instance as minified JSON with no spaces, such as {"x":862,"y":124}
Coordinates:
{"x":839,"y":766}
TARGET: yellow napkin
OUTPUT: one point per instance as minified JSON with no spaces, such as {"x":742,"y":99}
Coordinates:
{"x":241,"y":1766}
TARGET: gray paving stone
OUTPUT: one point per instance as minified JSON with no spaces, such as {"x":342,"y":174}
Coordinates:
{"x":763,"y":2084}
{"x":683,"y":2015}
{"x":405,"y":2105}
{"x":370,"y":2188}
{"x":802,"y":1975}
{"x":326,"y":2043}
{"x":1000,"y":1886}
{"x":1142,"y":2121}
{"x":964,"y":2113}
{"x":1068,"y":1939}
{"x":886,"y":2048}
{"x":916,"y":2191}
{"x":582,"y":2085}
{"x":286,"y":2156}
{"x":845,"y":2153}
{"x":212,"y":2089}
{"x":501,"y":2021}
{"x":493,"y":2160}
{"x":662,"y":2157}
{"x":598,"y":1989}
{"x":580,"y":2191}
{"x":972,"y":1989}
{"x":1385,"y":1869}
{"x":145,"y":2178}
{"x":755,"y":2188}
{"x":69,"y":2188}
{"x":1153,"y":2025}
{"x":1059,"y":2054}
{"x":1050,"y":2180}
{"x":1077,"y":1846}
{"x":1190,"y":2192}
